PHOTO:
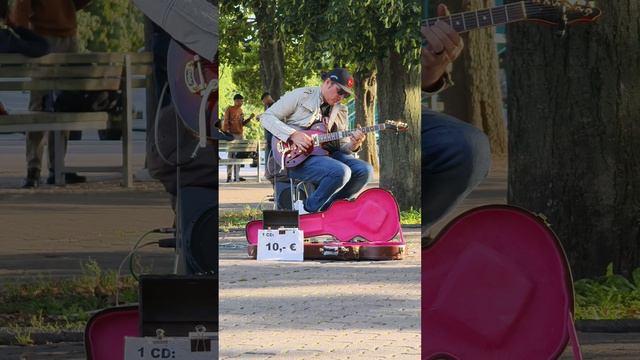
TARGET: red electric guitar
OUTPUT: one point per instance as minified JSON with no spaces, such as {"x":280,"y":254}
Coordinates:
{"x":286,"y":154}
{"x":193,"y":81}
{"x":551,"y":12}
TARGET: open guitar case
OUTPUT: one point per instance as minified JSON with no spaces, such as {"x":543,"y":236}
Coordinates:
{"x":496,"y":284}
{"x":366,"y":228}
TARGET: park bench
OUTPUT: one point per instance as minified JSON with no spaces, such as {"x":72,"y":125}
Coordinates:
{"x":241,"y":146}
{"x":76,"y":72}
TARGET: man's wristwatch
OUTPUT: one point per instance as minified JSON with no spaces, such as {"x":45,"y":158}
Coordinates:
{"x":443,"y":83}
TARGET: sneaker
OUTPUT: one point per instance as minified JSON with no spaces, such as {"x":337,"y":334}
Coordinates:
{"x":69,"y":178}
{"x":30,"y":183}
{"x":228,"y":179}
{"x":299,"y":206}
{"x":32,"y":180}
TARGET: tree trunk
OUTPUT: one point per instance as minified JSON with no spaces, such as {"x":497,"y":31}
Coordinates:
{"x":365,"y":93}
{"x":271,"y":49}
{"x":399,"y":99}
{"x":574,"y":142}
{"x":476,"y":97}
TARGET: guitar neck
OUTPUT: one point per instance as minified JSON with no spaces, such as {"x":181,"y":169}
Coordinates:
{"x":476,"y":19}
{"x":346,"y":133}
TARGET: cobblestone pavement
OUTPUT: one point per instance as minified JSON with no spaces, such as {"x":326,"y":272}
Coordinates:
{"x":319,"y":309}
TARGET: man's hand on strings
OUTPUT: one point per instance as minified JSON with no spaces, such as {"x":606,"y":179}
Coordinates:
{"x":444,"y":47}
{"x":357,"y":138}
{"x":301,"y":140}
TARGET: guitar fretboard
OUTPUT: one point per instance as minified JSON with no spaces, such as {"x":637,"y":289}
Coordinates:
{"x":342,"y":134}
{"x":475,"y":19}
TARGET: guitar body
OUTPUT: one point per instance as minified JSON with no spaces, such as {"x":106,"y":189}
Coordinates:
{"x":292,"y":156}
{"x":366,"y":228}
{"x":188,"y":76}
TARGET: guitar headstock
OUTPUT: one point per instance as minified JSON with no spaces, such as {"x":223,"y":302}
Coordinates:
{"x":396,"y":125}
{"x":561,"y":12}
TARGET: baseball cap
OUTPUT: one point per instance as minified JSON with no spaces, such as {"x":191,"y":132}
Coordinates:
{"x":342,"y":77}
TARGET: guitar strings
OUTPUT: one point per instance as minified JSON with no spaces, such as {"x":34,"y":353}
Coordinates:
{"x":531,"y":9}
{"x":340,"y":134}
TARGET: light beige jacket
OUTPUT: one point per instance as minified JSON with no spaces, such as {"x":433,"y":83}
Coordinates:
{"x":299,"y":109}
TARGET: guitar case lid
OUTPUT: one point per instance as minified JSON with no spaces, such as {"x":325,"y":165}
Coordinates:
{"x":496,"y":285}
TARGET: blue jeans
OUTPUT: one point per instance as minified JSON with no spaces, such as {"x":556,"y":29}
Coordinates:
{"x":339,"y":176}
{"x":455,"y":158}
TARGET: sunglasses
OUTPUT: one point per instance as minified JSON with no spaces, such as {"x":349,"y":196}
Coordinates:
{"x":341,"y":91}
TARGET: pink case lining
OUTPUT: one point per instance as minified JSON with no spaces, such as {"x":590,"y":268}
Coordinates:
{"x":105,"y":332}
{"x":496,"y":285}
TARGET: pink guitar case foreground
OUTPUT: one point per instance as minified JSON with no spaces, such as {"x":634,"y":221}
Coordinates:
{"x":367,"y":228}
{"x":496,"y":285}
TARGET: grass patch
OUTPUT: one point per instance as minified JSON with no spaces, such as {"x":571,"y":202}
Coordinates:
{"x":65,"y":304}
{"x":411,"y":217}
{"x":61,"y":304}
{"x":238,"y":218}
{"x":608,"y":297}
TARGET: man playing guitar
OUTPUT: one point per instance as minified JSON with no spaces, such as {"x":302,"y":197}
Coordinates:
{"x":339,"y":175}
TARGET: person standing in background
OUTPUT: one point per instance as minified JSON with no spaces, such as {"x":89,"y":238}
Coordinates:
{"x":234,"y":123}
{"x":267,"y":101}
{"x":56,"y":21}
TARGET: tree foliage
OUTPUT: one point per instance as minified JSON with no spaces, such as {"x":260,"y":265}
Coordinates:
{"x":239,"y":50}
{"x":353,"y":32}
{"x":111,"y":25}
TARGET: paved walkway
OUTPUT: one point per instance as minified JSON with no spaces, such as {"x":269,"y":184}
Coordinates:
{"x":311,"y":310}
{"x":319,"y":310}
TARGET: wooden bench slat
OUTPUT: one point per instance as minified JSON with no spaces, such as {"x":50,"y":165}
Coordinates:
{"x":143,"y":57}
{"x":42,"y":117}
{"x":138,"y":83}
{"x":141,"y":70}
{"x":238,"y":147}
{"x":235,"y":161}
{"x":43,"y":121}
{"x":63,"y":58}
{"x":76,"y":84}
{"x":51,"y":72}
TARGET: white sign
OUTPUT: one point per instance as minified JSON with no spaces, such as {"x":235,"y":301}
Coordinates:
{"x":149,"y":348}
{"x":282,"y":244}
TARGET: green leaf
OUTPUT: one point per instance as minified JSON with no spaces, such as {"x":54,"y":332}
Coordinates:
{"x":635,"y":275}
{"x":609,"y":270}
